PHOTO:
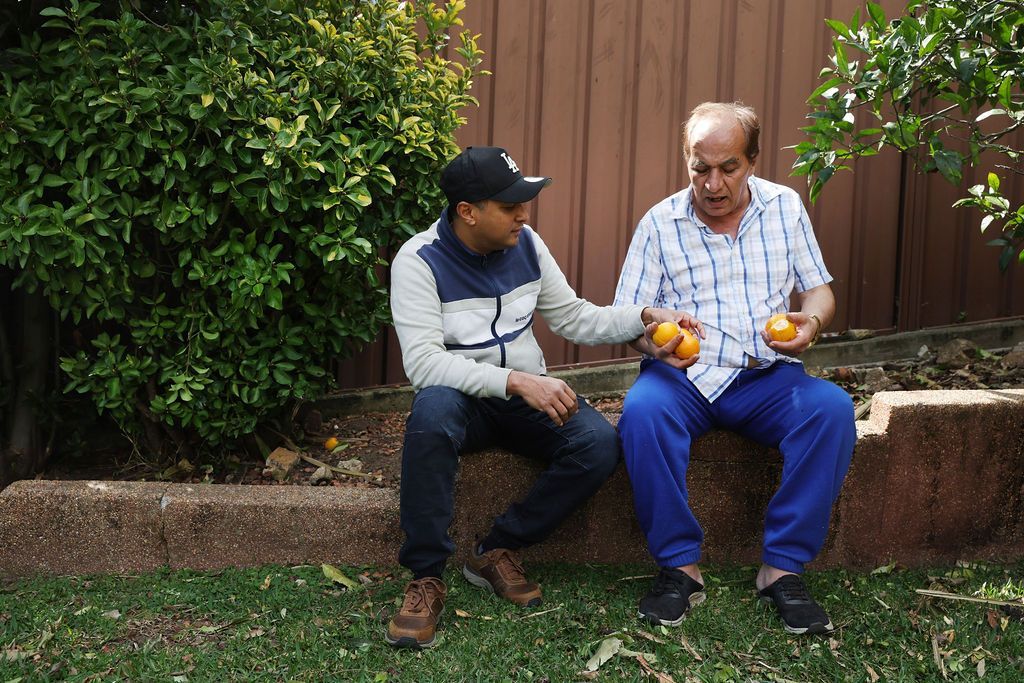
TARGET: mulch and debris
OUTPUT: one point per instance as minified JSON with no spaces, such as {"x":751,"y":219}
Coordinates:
{"x":364,"y":450}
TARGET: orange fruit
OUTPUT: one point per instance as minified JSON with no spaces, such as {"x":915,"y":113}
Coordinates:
{"x":331,"y":444}
{"x":779,"y":328}
{"x":666,"y":332}
{"x":690,"y":346}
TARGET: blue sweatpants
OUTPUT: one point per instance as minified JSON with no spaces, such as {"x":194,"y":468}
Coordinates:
{"x":810,"y":420}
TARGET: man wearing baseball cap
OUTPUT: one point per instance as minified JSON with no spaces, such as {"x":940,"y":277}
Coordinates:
{"x":464,"y":294}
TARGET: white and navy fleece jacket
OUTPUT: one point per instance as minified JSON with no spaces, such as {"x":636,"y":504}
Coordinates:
{"x":466,"y":321}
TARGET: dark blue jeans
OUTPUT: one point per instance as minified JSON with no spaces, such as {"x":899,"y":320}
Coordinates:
{"x":444,"y":423}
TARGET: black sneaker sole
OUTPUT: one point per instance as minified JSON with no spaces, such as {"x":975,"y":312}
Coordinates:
{"x":815,"y":629}
{"x":481,"y":582}
{"x":695,"y":599}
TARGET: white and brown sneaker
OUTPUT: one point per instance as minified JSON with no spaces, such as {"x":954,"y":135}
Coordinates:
{"x":415,"y":624}
{"x":501,"y":572}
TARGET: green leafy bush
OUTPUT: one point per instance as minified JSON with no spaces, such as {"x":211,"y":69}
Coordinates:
{"x":941,"y":83}
{"x":208,"y":200}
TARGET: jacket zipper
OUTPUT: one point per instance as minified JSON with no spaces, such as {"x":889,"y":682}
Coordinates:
{"x":497,"y":314}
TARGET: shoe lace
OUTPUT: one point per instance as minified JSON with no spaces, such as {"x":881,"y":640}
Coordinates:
{"x":794,"y":590}
{"x":419,"y":595}
{"x":665,"y":583}
{"x":508,"y":565}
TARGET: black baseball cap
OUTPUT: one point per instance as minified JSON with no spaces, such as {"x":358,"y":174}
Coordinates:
{"x":480,"y":173}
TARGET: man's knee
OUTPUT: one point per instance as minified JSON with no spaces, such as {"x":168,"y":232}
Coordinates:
{"x":597,"y":451}
{"x":833,"y":404}
{"x":645,"y":410}
{"x":436,"y":409}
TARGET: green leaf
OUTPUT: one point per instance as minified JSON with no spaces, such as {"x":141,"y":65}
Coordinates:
{"x":52,"y":12}
{"x":930,"y":42}
{"x":949,"y":163}
{"x":967,"y":68}
{"x":207,"y":99}
{"x":993,"y":181}
{"x":1005,"y":93}
{"x":877,"y":14}
{"x":827,"y":85}
{"x":273,"y":123}
{"x":838,"y":27}
{"x":274,"y":298}
{"x":360,"y":198}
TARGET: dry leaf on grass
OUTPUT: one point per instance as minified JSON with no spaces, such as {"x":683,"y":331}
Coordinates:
{"x":658,"y":676}
{"x":689,"y":648}
{"x":648,"y":636}
{"x":335,"y":575}
{"x":608,"y":648}
{"x":15,"y":655}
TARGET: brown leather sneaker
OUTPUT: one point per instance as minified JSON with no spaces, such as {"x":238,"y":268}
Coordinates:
{"x":416,"y":623}
{"x":501,"y":572}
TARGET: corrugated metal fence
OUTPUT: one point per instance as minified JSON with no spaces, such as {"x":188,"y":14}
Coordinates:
{"x":593,"y":93}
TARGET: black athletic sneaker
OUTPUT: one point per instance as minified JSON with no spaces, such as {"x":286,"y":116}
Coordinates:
{"x":799,"y":612}
{"x":672,"y":596}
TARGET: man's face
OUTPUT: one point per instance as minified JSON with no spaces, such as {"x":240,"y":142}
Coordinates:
{"x":719,"y":169}
{"x":493,"y":225}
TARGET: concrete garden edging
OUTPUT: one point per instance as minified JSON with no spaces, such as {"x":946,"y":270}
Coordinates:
{"x":937,"y":476}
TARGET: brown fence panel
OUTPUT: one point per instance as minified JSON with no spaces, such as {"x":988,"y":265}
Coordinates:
{"x":593,"y":93}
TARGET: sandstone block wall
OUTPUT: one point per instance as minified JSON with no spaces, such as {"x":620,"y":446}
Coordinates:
{"x":937,"y":476}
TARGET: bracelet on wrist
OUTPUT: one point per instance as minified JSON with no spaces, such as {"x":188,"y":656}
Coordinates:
{"x":817,"y":331}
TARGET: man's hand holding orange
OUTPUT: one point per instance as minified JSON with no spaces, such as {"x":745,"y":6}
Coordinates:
{"x":793,"y":338}
{"x":678,"y":343}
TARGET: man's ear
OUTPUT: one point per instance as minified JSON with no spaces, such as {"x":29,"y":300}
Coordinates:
{"x":464,"y":210}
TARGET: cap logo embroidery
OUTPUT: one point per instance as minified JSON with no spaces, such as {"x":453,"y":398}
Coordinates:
{"x":511,"y":164}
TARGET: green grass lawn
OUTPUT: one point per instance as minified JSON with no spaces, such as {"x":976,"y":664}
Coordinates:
{"x":292,"y":623}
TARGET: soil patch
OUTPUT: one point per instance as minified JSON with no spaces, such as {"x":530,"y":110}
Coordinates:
{"x":371,"y":443}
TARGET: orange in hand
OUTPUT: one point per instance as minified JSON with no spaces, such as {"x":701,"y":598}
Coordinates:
{"x":779,"y":328}
{"x":666,"y":332}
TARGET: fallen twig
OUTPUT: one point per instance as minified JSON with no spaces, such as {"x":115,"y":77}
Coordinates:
{"x":537,"y":614}
{"x":339,"y":470}
{"x":937,"y":656}
{"x":862,"y":409}
{"x":967,"y":598}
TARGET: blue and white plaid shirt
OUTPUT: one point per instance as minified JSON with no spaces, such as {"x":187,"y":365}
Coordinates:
{"x":732,"y":286}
